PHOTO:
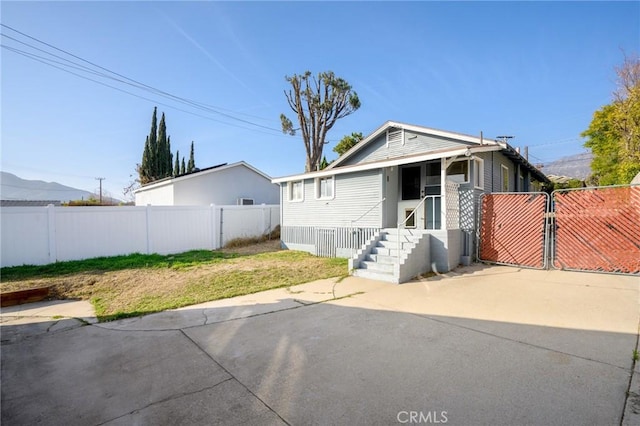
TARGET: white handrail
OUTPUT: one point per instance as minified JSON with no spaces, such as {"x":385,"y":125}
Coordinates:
{"x":368,"y":211}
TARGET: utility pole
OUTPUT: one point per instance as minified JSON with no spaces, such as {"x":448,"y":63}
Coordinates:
{"x":100,"y":179}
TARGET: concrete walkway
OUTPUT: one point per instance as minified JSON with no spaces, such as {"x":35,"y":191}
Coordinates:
{"x":481,"y":345}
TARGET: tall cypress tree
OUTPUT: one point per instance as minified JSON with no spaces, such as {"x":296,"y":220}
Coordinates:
{"x":153,"y":146}
{"x":143,"y":167}
{"x":169,"y":159}
{"x":192,"y":162}
{"x":157,"y":159}
{"x":176,"y":167}
{"x":162,"y":149}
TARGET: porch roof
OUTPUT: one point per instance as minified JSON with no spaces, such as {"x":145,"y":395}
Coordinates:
{"x":408,"y":159}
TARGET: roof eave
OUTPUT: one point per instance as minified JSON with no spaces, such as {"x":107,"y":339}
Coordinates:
{"x":389,"y":162}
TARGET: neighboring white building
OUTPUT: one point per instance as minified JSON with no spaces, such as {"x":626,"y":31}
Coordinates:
{"x":226,"y":184}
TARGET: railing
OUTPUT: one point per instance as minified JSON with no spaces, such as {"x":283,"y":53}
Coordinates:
{"x":354,"y":250}
{"x":368,"y":211}
{"x":405,"y":221}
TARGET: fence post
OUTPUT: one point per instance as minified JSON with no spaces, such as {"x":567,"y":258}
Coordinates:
{"x":147,"y":227}
{"x":212,"y":218}
{"x":265,"y":230}
{"x":51,"y":217}
{"x":221,"y":224}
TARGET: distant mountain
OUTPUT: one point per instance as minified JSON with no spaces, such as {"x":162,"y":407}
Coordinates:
{"x":14,"y":188}
{"x":576,"y":166}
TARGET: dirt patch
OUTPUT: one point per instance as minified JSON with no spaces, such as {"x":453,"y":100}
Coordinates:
{"x":264,"y":247}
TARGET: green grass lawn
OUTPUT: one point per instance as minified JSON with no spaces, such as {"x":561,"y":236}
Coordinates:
{"x":125,"y":286}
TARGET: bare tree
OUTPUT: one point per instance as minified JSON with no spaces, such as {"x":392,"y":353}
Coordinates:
{"x":318,"y":102}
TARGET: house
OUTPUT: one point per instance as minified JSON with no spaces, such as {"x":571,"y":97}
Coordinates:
{"x":224,"y":184}
{"x":402,"y":201}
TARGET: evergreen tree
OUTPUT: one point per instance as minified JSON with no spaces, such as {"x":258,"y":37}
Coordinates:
{"x":153,"y":147}
{"x":169,"y":159}
{"x":324,"y":163}
{"x":191,"y":166}
{"x":176,"y":167}
{"x":162,"y":149}
{"x":143,"y":167}
{"x":157,"y":159}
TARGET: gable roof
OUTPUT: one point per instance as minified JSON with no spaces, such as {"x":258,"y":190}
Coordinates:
{"x":479,"y":144}
{"x":412,"y":128}
{"x":199,"y":173}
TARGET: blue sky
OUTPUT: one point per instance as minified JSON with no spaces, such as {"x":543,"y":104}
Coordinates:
{"x":535,"y":70}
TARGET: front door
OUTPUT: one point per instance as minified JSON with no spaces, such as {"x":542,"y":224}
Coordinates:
{"x":418,"y":181}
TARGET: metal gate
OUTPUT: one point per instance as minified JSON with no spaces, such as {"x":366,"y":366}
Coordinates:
{"x":512,"y":229}
{"x":597,"y":229}
{"x":583,"y":229}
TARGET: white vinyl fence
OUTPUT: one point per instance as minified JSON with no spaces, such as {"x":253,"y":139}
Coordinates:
{"x":41,"y":235}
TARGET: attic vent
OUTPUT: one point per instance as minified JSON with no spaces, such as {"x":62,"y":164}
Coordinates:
{"x":395,"y":135}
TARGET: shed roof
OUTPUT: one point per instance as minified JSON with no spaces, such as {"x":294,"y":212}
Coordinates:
{"x":199,"y":173}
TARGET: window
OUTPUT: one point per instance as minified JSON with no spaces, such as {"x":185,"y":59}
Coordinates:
{"x":324,"y":187}
{"x":433,"y":178}
{"x":458,"y":171}
{"x":522,"y":187}
{"x":296,"y":191}
{"x":411,"y":183}
{"x":504,"y":178}
{"x":478,"y":173}
{"x":245,"y":201}
{"x":410,"y":218}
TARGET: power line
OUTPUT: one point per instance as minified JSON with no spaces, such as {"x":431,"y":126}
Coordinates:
{"x":123,"y":79}
{"x":47,"y":61}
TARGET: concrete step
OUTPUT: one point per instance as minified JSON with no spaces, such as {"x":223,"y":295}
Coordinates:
{"x":380,"y":258}
{"x":392,"y":237}
{"x":378,"y":267}
{"x":393,"y":246}
{"x":375,"y":275}
{"x":393,"y":252}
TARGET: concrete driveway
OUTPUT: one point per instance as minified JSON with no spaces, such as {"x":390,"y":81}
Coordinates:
{"x":478,"y":346}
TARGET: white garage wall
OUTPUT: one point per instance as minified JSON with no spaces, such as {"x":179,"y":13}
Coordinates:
{"x":41,"y":235}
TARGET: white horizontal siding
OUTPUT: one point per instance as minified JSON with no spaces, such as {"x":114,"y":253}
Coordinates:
{"x":354,"y":195}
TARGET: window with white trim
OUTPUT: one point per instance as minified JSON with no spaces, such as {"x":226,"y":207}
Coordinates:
{"x":478,"y":173}
{"x":325,"y":187}
{"x":504,"y":178}
{"x":458,"y":171}
{"x":296,"y":191}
